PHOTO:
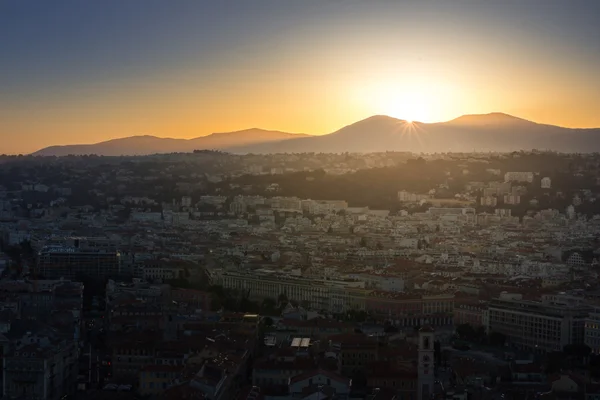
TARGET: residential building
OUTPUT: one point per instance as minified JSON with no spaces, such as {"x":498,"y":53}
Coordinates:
{"x":488,"y":201}
{"x":546,"y":183}
{"x":355,"y":350}
{"x":470,"y":313}
{"x":71,"y":262}
{"x":519,"y":176}
{"x":592,"y":331}
{"x":40,"y":367}
{"x":512,"y":199}
{"x":538,"y":326}
{"x":155,"y":379}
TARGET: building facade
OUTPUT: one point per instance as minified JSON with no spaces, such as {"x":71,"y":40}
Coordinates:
{"x":71,"y":262}
{"x":538,"y":326}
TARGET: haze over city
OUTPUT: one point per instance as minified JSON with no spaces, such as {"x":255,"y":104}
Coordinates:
{"x":84,"y":72}
{"x":300,"y":200}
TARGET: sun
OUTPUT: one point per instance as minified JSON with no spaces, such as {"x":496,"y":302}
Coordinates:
{"x":409,"y":106}
{"x":408,"y":101}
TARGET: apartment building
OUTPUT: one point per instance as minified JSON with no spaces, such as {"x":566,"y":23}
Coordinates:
{"x":411,"y":310}
{"x":356,"y":351}
{"x":334,"y":296}
{"x":490,"y":201}
{"x":592,"y":331}
{"x":519,"y":176}
{"x":512,"y":199}
{"x":72,"y":262}
{"x":40,"y":367}
{"x":538,"y":326}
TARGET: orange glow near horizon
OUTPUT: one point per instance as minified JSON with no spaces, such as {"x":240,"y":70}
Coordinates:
{"x":310,"y":76}
{"x":176,"y":110}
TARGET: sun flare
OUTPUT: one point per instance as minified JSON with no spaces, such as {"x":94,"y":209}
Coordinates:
{"x":403,"y":101}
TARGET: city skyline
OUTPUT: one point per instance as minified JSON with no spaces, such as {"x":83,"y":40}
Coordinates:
{"x":77,"y":73}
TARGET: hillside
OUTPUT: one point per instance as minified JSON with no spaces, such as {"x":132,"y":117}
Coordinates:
{"x":144,"y":145}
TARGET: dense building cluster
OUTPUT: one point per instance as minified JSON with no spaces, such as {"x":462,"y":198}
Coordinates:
{"x":218,"y":276}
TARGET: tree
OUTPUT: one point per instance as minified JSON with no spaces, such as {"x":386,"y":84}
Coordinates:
{"x":465,"y":331}
{"x":480,"y":333}
{"x":577,"y":353}
{"x":282,"y":299}
{"x":497,"y":339}
{"x":268,"y":306}
{"x":554,"y":362}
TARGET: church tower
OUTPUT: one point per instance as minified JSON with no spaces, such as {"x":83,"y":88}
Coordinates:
{"x":426,"y":363}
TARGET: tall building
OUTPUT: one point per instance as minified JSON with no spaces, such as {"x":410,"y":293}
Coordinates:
{"x":538,"y":326}
{"x":73,"y":262}
{"x":426,"y":365}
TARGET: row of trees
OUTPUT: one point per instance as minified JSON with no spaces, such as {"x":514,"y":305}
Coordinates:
{"x":478,"y":335}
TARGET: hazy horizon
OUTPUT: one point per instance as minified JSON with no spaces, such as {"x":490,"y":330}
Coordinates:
{"x":76,"y":73}
{"x":299,"y":133}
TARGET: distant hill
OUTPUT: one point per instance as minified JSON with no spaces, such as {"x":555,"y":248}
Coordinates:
{"x":484,"y":132}
{"x":144,"y":145}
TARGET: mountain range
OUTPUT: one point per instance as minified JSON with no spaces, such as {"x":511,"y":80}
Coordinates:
{"x":481,"y":132}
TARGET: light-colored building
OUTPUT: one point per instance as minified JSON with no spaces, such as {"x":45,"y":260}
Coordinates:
{"x":512,"y":199}
{"x":519,"y":176}
{"x":330,"y":295}
{"x":546,"y":183}
{"x":489,"y":201}
{"x":538,"y":326}
{"x":407,"y":197}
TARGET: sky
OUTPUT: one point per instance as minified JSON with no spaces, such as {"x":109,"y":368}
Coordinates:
{"x":83,"y":71}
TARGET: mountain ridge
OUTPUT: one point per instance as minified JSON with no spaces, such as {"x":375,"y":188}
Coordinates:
{"x":494,"y":131}
{"x":150,"y":144}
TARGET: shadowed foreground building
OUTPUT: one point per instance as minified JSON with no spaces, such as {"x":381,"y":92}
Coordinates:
{"x":39,"y":365}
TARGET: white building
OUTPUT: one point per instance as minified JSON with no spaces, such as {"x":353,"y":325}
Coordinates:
{"x":570,"y":212}
{"x":546,"y":183}
{"x":490,"y":201}
{"x":407,"y":197}
{"x":512,"y":199}
{"x":519,"y":177}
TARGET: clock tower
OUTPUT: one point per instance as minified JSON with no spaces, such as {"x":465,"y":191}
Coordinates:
{"x":426,"y":363}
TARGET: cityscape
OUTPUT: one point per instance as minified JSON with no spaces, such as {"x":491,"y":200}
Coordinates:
{"x":300,"y":200}
{"x":215,"y":275}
